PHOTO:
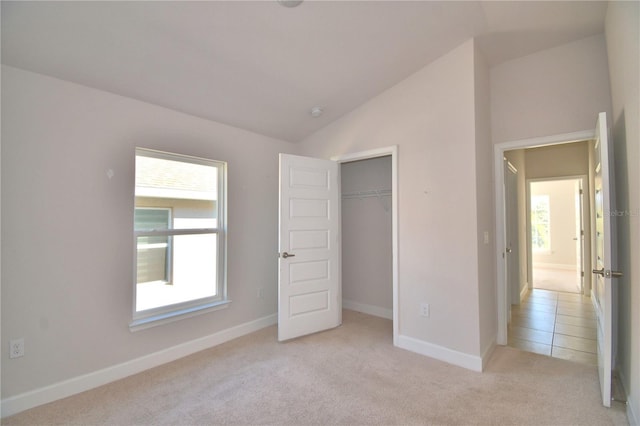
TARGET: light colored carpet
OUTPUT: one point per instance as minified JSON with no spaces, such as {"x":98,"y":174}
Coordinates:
{"x":350,"y":375}
{"x":556,"y":280}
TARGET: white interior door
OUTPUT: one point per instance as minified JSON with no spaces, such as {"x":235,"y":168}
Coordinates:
{"x":602,"y":291}
{"x":309,"y":279}
{"x":579,"y":238}
{"x":512,"y":234}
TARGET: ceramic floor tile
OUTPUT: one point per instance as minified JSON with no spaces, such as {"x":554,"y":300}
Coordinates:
{"x":528,"y":346}
{"x":575,"y":305}
{"x":576,"y":331}
{"x":546,"y":324}
{"x":531,"y":335}
{"x":575,"y":343}
{"x":533,"y":315}
{"x":573,"y":320}
{"x":540,"y":302}
{"x":538,"y":307}
{"x":544,"y":293}
{"x":584,"y":313}
{"x":573,"y":297}
{"x":576,"y":356}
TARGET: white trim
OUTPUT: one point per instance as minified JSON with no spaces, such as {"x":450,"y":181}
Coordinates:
{"x":631,"y":416}
{"x":383,"y":152}
{"x":163,"y":317}
{"x":523,"y":292}
{"x":486,"y":354}
{"x":498,"y":171}
{"x":461,"y":359}
{"x":376,"y":311}
{"x":18,"y":403}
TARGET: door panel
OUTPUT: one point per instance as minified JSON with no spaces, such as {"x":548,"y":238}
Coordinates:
{"x":512,"y":234}
{"x":602,"y":269}
{"x":309,"y":280}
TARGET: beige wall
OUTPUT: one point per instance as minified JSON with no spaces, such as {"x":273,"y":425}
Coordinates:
{"x":571,"y":159}
{"x":366,"y":236}
{"x":623,"y":45}
{"x":67,"y":227}
{"x":431,"y":117}
{"x":552,"y":92}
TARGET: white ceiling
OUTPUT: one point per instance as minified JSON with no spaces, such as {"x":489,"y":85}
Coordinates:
{"x":262,"y":67}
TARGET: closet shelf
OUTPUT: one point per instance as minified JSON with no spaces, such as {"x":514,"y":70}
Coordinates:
{"x":366,"y":194}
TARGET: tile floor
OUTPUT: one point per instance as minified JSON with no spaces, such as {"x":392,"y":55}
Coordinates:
{"x":557,"y":324}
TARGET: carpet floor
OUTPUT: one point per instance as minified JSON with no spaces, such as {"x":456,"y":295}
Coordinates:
{"x":351,"y":375}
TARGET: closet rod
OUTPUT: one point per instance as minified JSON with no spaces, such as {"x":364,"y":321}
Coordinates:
{"x":367,"y":194}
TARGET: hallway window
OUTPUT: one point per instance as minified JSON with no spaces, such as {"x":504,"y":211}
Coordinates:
{"x":540,"y":221}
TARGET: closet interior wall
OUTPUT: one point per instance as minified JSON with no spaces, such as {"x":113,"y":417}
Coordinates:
{"x":367,"y":283}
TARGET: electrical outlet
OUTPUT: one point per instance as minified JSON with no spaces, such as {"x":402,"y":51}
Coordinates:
{"x":16,"y":348}
{"x":424,"y":310}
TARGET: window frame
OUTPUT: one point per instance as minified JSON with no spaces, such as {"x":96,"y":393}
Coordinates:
{"x":173,"y":312}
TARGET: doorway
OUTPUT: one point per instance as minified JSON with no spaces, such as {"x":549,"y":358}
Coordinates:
{"x":309,"y":246}
{"x":556,"y":233}
{"x":366,"y":236}
{"x":369,"y":186}
{"x":500,"y":151}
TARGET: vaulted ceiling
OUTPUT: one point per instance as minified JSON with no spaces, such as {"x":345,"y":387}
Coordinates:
{"x":261,"y":66}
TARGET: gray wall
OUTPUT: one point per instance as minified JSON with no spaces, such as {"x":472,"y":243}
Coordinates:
{"x":67,"y":242}
{"x":431,"y":117}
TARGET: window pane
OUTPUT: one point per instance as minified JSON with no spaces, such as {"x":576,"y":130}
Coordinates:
{"x":148,"y":219}
{"x":540,"y":218}
{"x":194,"y":273}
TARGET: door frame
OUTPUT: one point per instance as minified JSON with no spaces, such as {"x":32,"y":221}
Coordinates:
{"x":583,"y":207}
{"x":375,"y":153}
{"x":500,"y":221}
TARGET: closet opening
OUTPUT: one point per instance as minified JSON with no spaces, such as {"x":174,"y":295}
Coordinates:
{"x":369,"y":229}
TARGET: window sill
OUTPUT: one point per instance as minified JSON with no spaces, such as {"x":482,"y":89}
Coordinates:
{"x":167,"y":317}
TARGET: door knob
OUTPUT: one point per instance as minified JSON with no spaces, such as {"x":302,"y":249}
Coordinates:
{"x":607,"y":273}
{"x":285,"y":255}
{"x":509,"y":250}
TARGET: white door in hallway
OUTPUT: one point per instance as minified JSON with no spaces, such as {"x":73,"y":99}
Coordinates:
{"x":309,"y":278}
{"x":602,"y":289}
{"x":512,"y":245}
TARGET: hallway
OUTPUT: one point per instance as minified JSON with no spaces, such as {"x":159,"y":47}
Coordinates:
{"x":557,"y":324}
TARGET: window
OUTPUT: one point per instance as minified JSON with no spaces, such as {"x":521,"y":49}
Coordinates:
{"x":540,"y":221}
{"x":179,"y":233}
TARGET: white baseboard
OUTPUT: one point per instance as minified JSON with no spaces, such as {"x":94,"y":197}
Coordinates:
{"x":633,"y":419}
{"x":524,"y":291}
{"x":18,"y":403}
{"x":461,"y":359}
{"x":486,"y":354}
{"x":632,"y":416}
{"x":376,"y":311}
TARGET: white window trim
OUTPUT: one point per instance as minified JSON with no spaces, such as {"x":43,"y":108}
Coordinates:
{"x":170,"y":313}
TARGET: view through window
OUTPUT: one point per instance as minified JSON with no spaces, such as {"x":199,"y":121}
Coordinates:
{"x":540,"y":220}
{"x":179,"y":232}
